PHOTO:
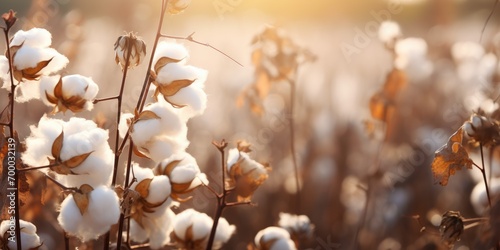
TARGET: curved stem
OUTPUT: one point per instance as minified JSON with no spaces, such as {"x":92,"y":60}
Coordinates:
{"x":122,"y":216}
{"x":292,"y":144}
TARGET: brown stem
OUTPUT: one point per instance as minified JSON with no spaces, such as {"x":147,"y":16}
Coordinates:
{"x":363,"y":216}
{"x":122,"y":216}
{"x":66,"y":241}
{"x":292,"y":144}
{"x":483,"y":171}
{"x":59,"y":184}
{"x":11,"y":130}
{"x":191,"y":39}
{"x":36,"y":168}
{"x":221,"y":199}
{"x":119,"y":98}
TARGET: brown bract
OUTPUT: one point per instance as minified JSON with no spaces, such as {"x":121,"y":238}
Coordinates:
{"x":168,"y":89}
{"x":62,"y":103}
{"x":177,"y":188}
{"x":81,"y":197}
{"x":137,"y":205}
{"x":143,"y":116}
{"x":9,"y":18}
{"x":129,"y":43}
{"x":64,"y":167}
{"x":450,"y":158}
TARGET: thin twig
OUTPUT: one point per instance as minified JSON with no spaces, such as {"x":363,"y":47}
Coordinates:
{"x":483,"y":171}
{"x":488,"y":20}
{"x":108,"y":98}
{"x":221,"y":199}
{"x":191,"y":39}
{"x":292,"y":144}
{"x":60,"y":185}
{"x":36,"y":168}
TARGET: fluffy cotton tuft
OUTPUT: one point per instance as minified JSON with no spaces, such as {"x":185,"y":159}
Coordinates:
{"x":77,"y":92}
{"x":171,"y":50}
{"x":200,"y":226}
{"x":278,"y":238}
{"x":186,"y":171}
{"x":30,"y":50}
{"x":81,"y":136}
{"x":298,"y":225}
{"x":156,"y":229}
{"x":102,"y":212}
{"x":411,"y":56}
{"x":388,"y":32}
{"x":29,"y":238}
{"x":479,"y":198}
{"x":162,"y":147}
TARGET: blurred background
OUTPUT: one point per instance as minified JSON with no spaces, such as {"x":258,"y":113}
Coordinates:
{"x":341,"y":155}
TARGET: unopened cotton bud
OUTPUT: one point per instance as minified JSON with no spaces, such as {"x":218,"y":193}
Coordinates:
{"x":129,"y":44}
{"x":177,"y":6}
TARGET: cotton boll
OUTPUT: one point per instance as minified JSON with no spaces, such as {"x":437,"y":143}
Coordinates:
{"x":29,"y":57}
{"x":411,"y":56}
{"x":78,"y":85}
{"x":70,"y":217}
{"x":105,"y":199}
{"x":175,"y":71}
{"x":47,"y":85}
{"x":156,"y":229}
{"x":27,"y":91}
{"x":35,"y":37}
{"x":94,"y":222}
{"x":123,"y":125}
{"x":201,"y":225}
{"x":162,"y":147}
{"x":298,"y":225}
{"x":171,"y":50}
{"x":279,"y":237}
{"x":159,"y":189}
{"x":57,"y":63}
{"x":40,"y":140}
{"x":479,"y":198}
{"x":224,"y":232}
{"x":233,"y":157}
{"x":161,"y":237}
{"x":195,"y":100}
{"x":388,"y":32}
{"x":29,"y":238}
{"x":140,"y":174}
{"x":466,"y":51}
{"x":170,"y":124}
{"x":144,"y":130}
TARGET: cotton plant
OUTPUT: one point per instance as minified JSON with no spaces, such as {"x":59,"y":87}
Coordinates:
{"x":32,"y":58}
{"x":76,"y":150}
{"x":191,"y":230}
{"x":29,"y":236}
{"x":89,"y":212}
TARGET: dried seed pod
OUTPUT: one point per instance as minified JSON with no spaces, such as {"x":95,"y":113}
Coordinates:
{"x":126,"y":44}
{"x":451,"y":227}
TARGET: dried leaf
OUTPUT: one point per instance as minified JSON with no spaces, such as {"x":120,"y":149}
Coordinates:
{"x":33,"y":73}
{"x":164,"y":61}
{"x":139,"y":153}
{"x":146,"y":115}
{"x":174,"y":87}
{"x":82,"y":198}
{"x":382,"y":103}
{"x":450,"y":158}
{"x":75,"y":161}
{"x":57,"y":145}
{"x":143,"y":187}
